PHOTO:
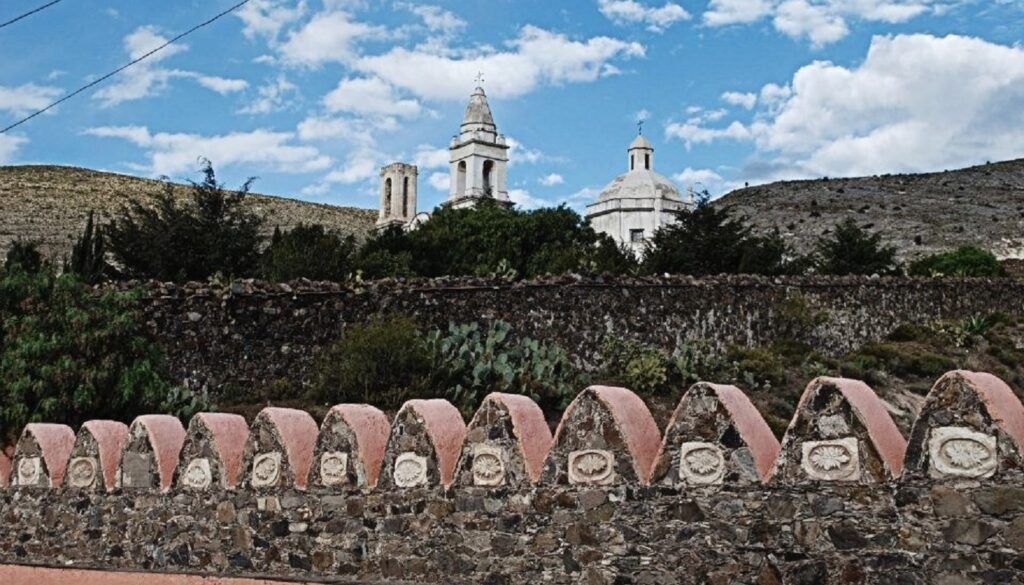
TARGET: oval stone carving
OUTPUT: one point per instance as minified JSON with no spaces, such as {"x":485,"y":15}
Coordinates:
{"x":410,"y":470}
{"x":197,"y":474}
{"x":837,"y":460}
{"x":266,"y":469}
{"x":30,"y":471}
{"x":961,"y":452}
{"x":82,"y":472}
{"x":591,"y":466}
{"x":701,"y":463}
{"x":334,"y":468}
{"x":488,"y":468}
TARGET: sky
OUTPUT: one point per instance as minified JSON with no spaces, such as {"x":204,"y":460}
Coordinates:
{"x":312,"y":97}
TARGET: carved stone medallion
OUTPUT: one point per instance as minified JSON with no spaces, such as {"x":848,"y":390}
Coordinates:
{"x":334,"y":468}
{"x":266,"y":469}
{"x":591,"y":467}
{"x":410,"y":470}
{"x":837,"y":460}
{"x":82,"y":472}
{"x":701,"y":463}
{"x":488,"y":468}
{"x":30,"y":471}
{"x":197,"y":474}
{"x":961,"y":452}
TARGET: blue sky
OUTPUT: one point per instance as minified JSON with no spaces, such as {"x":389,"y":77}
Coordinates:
{"x":313,"y":96}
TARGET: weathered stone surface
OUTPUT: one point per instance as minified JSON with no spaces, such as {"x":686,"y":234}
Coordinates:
{"x":211,"y":456}
{"x":279,"y":451}
{"x":151,"y":454}
{"x":506,"y":443}
{"x":41,"y":456}
{"x":350,"y":448}
{"x":423,"y":447}
{"x":96,"y":455}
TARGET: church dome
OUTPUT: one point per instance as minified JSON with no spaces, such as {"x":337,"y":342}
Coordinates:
{"x":640,"y":184}
{"x":478,"y":111}
{"x":641,"y":142}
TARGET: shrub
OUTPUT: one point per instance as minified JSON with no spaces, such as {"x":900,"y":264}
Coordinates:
{"x":307,"y":251}
{"x":89,"y":254}
{"x":24,"y":255}
{"x":383,"y":361}
{"x":852,"y":250}
{"x":471,"y":362}
{"x":167,"y":240}
{"x":707,"y":240}
{"x":963,"y":262}
{"x":649,"y":370}
{"x":68,"y":354}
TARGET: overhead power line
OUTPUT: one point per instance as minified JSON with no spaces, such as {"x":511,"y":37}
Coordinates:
{"x":29,"y":13}
{"x":135,"y":61}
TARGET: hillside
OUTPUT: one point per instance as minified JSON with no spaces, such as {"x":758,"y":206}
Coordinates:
{"x":920,"y":214}
{"x":49,"y":204}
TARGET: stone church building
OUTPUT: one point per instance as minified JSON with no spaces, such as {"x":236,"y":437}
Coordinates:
{"x":630,"y":209}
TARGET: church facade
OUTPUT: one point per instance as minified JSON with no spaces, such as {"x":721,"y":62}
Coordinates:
{"x":630,"y":209}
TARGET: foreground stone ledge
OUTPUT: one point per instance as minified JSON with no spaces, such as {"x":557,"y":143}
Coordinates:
{"x":15,"y":575}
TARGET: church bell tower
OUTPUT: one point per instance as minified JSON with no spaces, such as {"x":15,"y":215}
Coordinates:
{"x":479,"y":157}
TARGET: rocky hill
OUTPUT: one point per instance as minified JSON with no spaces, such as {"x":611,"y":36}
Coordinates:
{"x":920,"y":214}
{"x":49,"y":204}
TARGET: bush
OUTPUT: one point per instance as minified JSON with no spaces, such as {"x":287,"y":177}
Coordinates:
{"x":383,"y":362}
{"x":308,"y":251}
{"x":471,"y":362}
{"x":24,"y":255}
{"x":89,"y":255}
{"x":708,"y":241}
{"x":648,"y":370}
{"x":963,"y":262}
{"x":852,"y":250}
{"x":212,"y":234}
{"x":68,"y":355}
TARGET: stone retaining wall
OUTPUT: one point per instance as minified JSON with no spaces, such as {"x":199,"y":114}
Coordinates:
{"x":248,"y":334}
{"x":844,"y":498}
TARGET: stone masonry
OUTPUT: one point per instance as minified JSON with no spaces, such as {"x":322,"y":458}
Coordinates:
{"x":609,"y":499}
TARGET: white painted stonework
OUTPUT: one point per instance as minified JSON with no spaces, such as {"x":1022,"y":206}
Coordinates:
{"x":701,"y":463}
{"x":334,"y":468}
{"x":82,"y":472}
{"x":488,"y":468}
{"x":198,"y":474}
{"x":961,"y":452}
{"x":30,"y":471}
{"x":410,"y":470}
{"x":836,"y":460}
{"x":591,"y":467}
{"x":266,"y":469}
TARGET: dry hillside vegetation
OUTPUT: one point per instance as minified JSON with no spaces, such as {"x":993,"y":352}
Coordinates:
{"x":49,"y":204}
{"x":920,"y":214}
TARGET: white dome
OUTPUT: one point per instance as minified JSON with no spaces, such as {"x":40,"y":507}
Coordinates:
{"x":640,"y":184}
{"x":641,"y":142}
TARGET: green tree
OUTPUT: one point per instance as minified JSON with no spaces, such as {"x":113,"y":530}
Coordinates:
{"x":307,"y":251}
{"x":169,"y":240}
{"x":853,"y":250}
{"x":707,"y":240}
{"x":89,"y":254}
{"x":24,"y":255}
{"x":69,"y":354}
{"x":967,"y":261}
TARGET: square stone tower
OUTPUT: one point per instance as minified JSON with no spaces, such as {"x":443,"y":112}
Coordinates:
{"x":397,"y":195}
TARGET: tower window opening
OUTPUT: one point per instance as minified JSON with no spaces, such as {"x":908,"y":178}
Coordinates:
{"x":405,"y":197}
{"x":632,"y":162}
{"x":387,"y":196}
{"x":647,"y":162}
{"x":636,"y":236}
{"x":460,"y":180}
{"x":488,"y":172}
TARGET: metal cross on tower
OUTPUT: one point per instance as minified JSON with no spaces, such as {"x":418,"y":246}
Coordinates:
{"x":479,"y":78}
{"x":640,"y":127}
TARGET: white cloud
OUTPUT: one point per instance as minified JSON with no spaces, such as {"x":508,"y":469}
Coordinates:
{"x":552,"y":180}
{"x":428,"y":157}
{"x":633,"y":12}
{"x":692,"y":133}
{"x":700,"y":180}
{"x":642,"y":116}
{"x":329,"y":37}
{"x":523,"y":199}
{"x":272,"y":97}
{"x":820,"y":21}
{"x":916,"y":103}
{"x":369,"y":96}
{"x":9,"y":145}
{"x":222,"y":85}
{"x":171,"y":153}
{"x":517,"y":153}
{"x":440,"y":181}
{"x":535,"y":57}
{"x":25,"y":99}
{"x":266,"y":18}
{"x":735,"y":98}
{"x":438,"y":19}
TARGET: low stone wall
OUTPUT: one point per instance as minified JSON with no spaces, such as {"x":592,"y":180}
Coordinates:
{"x":844,"y":498}
{"x":250,"y":334}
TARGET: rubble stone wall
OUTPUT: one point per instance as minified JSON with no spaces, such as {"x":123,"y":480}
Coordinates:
{"x":847,"y":500}
{"x":250,"y":333}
